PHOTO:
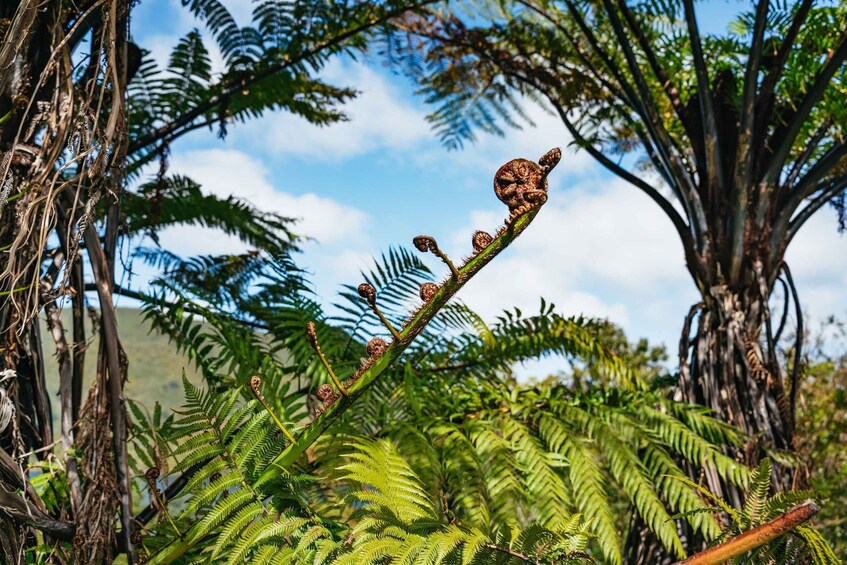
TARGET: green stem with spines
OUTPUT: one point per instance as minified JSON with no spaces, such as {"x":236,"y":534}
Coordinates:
{"x":402,"y":340}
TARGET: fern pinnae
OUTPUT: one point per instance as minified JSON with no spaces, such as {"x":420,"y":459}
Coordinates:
{"x":757,"y":494}
{"x":681,"y":498}
{"x":548,"y":493}
{"x":591,"y":496}
{"x":720,"y":503}
{"x":236,"y":526}
{"x":820,"y":550}
{"x":212,"y":491}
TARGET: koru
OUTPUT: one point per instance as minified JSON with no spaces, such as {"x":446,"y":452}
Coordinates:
{"x":522,"y":185}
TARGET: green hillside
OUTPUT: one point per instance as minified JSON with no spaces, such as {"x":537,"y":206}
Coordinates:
{"x":155,"y":367}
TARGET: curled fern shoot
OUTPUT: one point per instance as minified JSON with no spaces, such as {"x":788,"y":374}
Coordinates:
{"x":255,"y":386}
{"x":425,"y":243}
{"x":368,"y":292}
{"x":151,"y":476}
{"x":312,"y":333}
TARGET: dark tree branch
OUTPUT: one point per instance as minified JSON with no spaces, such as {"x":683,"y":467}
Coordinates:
{"x":172,"y":130}
{"x":811,"y":145}
{"x":806,"y":186}
{"x":57,"y":330}
{"x":764,"y":101}
{"x":834,"y":189}
{"x":678,"y":222}
{"x":744,"y":157}
{"x":629,"y":104}
{"x":661,"y":74}
{"x":109,"y":336}
{"x":24,"y":512}
{"x":633,"y":100}
{"x":711,"y":135}
{"x":615,"y":90}
{"x":12,"y":474}
{"x":663,"y":140}
{"x":785,"y":303}
{"x":798,"y":343}
{"x":783,"y":138}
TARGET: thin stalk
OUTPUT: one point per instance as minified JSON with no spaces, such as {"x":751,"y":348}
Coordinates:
{"x":368,"y":292}
{"x":426,"y":243}
{"x":255,"y":383}
{"x":151,"y":475}
{"x":311,"y":331}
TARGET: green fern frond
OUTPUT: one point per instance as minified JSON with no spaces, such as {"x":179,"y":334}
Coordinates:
{"x":408,"y":530}
{"x":757,"y":494}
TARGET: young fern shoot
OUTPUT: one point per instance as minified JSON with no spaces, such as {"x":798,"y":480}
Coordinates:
{"x":532,"y":193}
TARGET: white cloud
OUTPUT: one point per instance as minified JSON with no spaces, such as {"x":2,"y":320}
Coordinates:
{"x":340,"y":232}
{"x":385,"y":117}
{"x":818,"y":260}
{"x":381,"y":118}
{"x":608,"y":251}
{"x":604,"y":251}
{"x":529,"y":142}
{"x":227,"y":172}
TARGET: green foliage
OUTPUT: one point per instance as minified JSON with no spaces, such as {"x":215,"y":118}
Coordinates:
{"x":176,"y":200}
{"x":804,"y":544}
{"x":224,"y":444}
{"x":397,"y":520}
{"x":822,"y":428}
{"x":487,"y":449}
{"x":270,"y":65}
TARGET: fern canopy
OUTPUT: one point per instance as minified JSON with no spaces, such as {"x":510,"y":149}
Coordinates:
{"x":460,"y":457}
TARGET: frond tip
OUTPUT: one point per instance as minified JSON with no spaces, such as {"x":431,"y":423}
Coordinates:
{"x":312,"y":333}
{"x":425,"y":243}
{"x":481,"y":240}
{"x":368,"y":292}
{"x":255,"y":386}
{"x":428,"y":290}
{"x":376,"y":347}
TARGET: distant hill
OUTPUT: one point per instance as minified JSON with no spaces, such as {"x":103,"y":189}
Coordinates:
{"x":155,"y":368}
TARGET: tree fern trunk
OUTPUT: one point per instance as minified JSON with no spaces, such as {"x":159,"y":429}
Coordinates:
{"x":730,"y":365}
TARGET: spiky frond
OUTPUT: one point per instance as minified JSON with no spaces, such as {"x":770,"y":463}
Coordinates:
{"x":803,"y":544}
{"x":397,"y":521}
{"x":177,"y":200}
{"x":225,"y":444}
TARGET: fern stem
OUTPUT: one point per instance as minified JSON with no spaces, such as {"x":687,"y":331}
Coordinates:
{"x":757,"y":537}
{"x":416,"y":325}
{"x":426,"y":243}
{"x":368,"y":292}
{"x":255,"y":383}
{"x":311,"y":331}
{"x":151,"y":475}
{"x":511,"y":553}
{"x":367,"y":377}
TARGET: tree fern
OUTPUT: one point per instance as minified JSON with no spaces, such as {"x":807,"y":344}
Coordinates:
{"x":803,"y":544}
{"x":396,"y":520}
{"x":488,"y":448}
{"x":233,"y":442}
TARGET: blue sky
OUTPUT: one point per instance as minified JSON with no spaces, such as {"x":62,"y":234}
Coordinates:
{"x":599,"y":247}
